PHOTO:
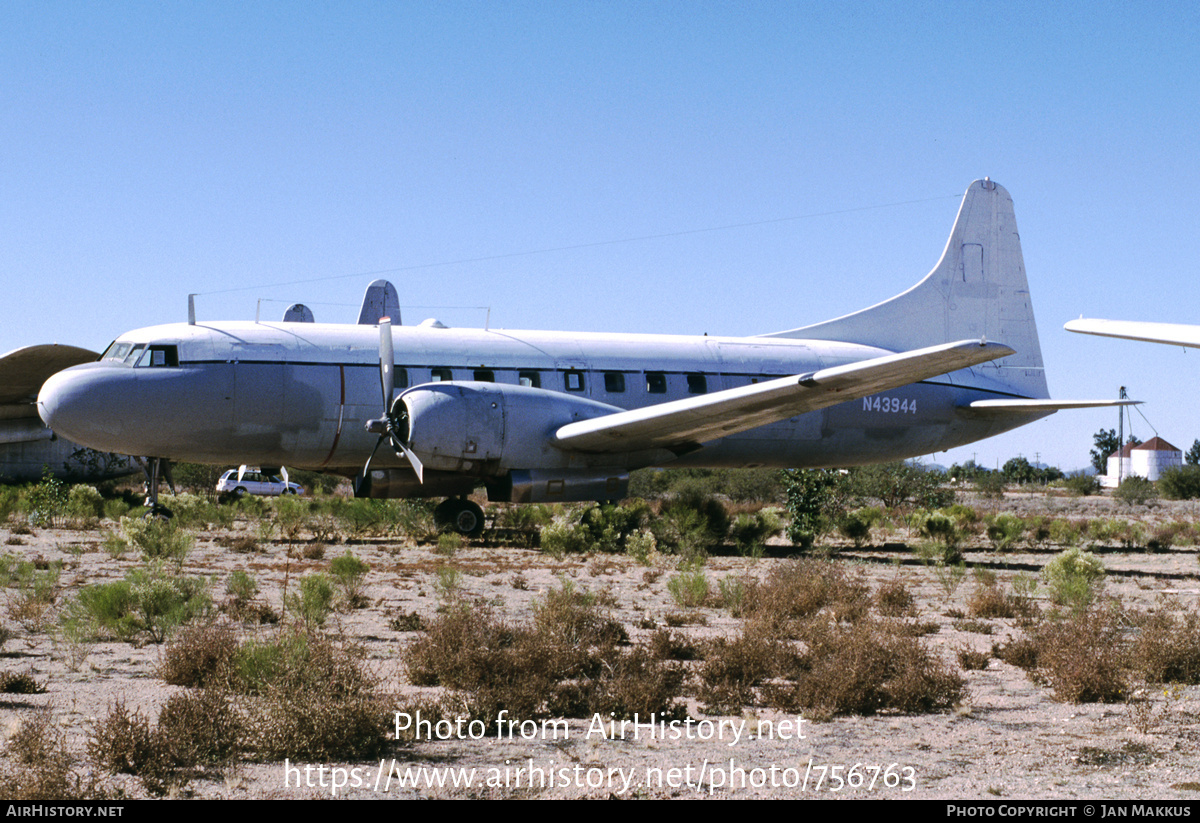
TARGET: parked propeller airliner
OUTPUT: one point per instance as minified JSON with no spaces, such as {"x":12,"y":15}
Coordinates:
{"x":557,"y":416}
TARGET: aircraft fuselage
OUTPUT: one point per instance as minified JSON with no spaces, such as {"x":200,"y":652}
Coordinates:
{"x":299,"y":394}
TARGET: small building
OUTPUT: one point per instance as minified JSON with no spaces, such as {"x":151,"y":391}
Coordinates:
{"x":1148,"y":460}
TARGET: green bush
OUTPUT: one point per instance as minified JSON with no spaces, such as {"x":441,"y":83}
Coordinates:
{"x":1004,"y":531}
{"x":46,"y":501}
{"x":689,"y":588}
{"x":157,"y":539}
{"x":349,"y":573}
{"x":315,"y":600}
{"x":146,"y":601}
{"x":1082,"y":485}
{"x":750,"y":532}
{"x":1180,"y":483}
{"x":1136,"y":491}
{"x":691,"y":524}
{"x":596,"y":528}
{"x":899,"y":483}
{"x":1074,"y":578}
{"x":84,"y":503}
{"x":816,"y":499}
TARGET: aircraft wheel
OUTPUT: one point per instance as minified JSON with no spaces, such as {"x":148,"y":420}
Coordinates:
{"x":158,"y":512}
{"x":462,"y":516}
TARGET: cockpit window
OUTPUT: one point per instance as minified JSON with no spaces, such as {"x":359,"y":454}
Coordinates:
{"x":156,"y":356}
{"x":134,"y":354}
{"x":116,"y":351}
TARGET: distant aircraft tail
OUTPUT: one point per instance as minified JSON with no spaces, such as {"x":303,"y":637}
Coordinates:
{"x":977,"y":290}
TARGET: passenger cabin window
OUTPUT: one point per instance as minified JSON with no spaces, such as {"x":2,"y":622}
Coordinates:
{"x":614,"y":382}
{"x":656,"y":382}
{"x":573,"y":380}
{"x":439,"y":374}
{"x":697,"y":384}
{"x":484,"y":376}
{"x":529,"y":378}
{"x":401,"y":377}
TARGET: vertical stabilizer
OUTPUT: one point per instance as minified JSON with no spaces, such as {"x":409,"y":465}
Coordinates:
{"x":379,"y":300}
{"x":977,"y":290}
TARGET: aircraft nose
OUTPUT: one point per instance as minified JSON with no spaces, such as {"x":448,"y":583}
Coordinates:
{"x":79,"y":404}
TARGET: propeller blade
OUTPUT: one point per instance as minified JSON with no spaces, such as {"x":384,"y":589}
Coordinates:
{"x":387,"y":363}
{"x":166,"y":467}
{"x":367,"y":467}
{"x":413,"y":461}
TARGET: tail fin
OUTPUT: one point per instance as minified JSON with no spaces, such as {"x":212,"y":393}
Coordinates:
{"x":977,"y":290}
{"x":379,"y":300}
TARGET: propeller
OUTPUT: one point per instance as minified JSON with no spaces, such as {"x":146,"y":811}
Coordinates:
{"x":394,"y":423}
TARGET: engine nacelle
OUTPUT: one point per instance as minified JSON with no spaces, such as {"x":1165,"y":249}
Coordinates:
{"x":559,"y":486}
{"x":477,"y":428}
{"x":393,"y":483}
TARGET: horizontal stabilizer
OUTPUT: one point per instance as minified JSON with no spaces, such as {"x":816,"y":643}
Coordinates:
{"x":1022,"y":406}
{"x":1177,"y":334}
{"x":681,"y":424}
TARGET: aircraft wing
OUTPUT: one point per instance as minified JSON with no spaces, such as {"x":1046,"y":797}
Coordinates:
{"x":681,"y":425}
{"x":24,"y":370}
{"x":1178,"y":334}
{"x":1023,"y":406}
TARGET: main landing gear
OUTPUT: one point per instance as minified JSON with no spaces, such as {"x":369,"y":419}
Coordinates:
{"x":460,"y":515}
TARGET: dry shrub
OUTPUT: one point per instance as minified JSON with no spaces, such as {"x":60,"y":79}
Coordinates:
{"x":1021,"y":652}
{"x":732,"y":669}
{"x":199,"y":655}
{"x":242,"y":544}
{"x":799,"y":589}
{"x":572,"y":617}
{"x":473,"y":650}
{"x":195,"y":729}
{"x":678,"y":620}
{"x":122,"y":743}
{"x":317,"y":701}
{"x":567,"y":663}
{"x":666,"y":645}
{"x":1167,"y":650}
{"x":864,"y":668}
{"x":20,"y":683}
{"x":989,"y":600}
{"x":893,"y":599}
{"x":635,"y":683}
{"x":199,"y":728}
{"x":40,"y":767}
{"x":972,"y":660}
{"x":1082,"y":658}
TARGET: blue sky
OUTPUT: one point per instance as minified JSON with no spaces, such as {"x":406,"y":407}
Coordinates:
{"x":154,"y":149}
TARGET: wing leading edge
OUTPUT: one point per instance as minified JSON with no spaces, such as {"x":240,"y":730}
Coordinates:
{"x":681,"y":425}
{"x":1177,"y":334}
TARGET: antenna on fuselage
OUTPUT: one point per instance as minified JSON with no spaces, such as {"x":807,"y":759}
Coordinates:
{"x":191,"y":309}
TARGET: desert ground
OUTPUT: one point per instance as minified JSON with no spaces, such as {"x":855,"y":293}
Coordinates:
{"x":1006,"y":737}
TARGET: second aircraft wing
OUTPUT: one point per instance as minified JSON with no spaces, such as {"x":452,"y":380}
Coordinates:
{"x":1178,"y":334}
